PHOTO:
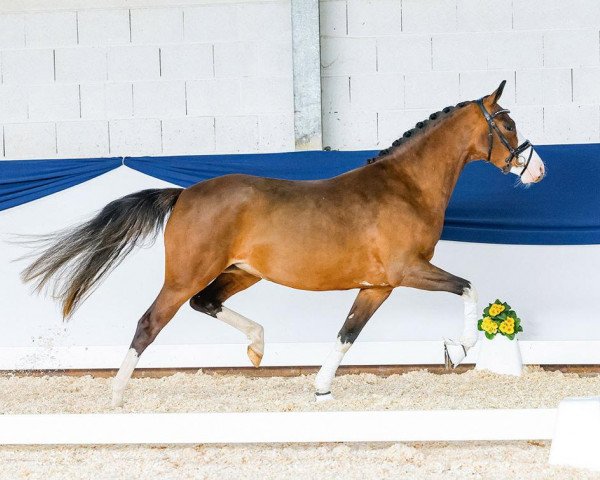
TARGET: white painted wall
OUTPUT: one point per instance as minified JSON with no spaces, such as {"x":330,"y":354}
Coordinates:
{"x":387,"y":64}
{"x":152,"y":77}
{"x":148,"y":80}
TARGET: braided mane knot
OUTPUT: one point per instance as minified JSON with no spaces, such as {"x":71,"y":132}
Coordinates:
{"x":418,"y":128}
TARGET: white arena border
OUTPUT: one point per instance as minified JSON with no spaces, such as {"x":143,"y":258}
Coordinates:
{"x":277,"y":427}
{"x":538,"y":352}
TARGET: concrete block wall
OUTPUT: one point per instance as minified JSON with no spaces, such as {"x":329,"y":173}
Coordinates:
{"x":387,"y":64}
{"x":199,"y":78}
{"x":215,"y":76}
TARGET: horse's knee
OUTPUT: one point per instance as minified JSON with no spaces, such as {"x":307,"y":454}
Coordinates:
{"x":205,"y":305}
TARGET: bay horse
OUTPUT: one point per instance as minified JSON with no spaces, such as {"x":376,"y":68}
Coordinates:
{"x":374,"y":228}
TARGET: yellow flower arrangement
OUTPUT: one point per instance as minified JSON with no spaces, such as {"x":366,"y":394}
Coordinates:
{"x":499,"y":317}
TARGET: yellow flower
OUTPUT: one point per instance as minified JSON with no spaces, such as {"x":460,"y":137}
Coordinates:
{"x":507,"y":327}
{"x":489,"y":326}
{"x":486,"y":324}
{"x":510,"y":320}
{"x":496,"y":309}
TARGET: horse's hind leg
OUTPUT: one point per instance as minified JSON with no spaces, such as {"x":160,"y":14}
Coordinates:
{"x":426,"y":276}
{"x":174,"y":293}
{"x":365,"y":305}
{"x":150,"y":324}
{"x":210,"y":301}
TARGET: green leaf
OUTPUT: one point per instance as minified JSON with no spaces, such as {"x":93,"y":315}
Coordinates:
{"x":511,"y":336}
{"x":489,"y":336}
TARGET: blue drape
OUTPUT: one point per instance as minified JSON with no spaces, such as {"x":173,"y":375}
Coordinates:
{"x":22,"y":181}
{"x":485,"y":207}
{"x":187,"y":170}
{"x":562,"y":209}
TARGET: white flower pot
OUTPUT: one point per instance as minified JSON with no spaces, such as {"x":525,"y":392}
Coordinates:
{"x":500,"y":355}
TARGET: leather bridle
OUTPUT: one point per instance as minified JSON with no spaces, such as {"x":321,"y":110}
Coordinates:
{"x":514,"y":153}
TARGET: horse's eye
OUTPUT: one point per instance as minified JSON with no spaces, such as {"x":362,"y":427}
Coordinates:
{"x":509,"y":128}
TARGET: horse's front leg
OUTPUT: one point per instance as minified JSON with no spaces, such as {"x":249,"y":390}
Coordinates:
{"x":365,"y":305}
{"x":426,"y":276}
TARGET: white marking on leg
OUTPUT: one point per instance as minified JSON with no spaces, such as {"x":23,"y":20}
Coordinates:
{"x":327,"y":371}
{"x":253,"y":331}
{"x":123,"y":375}
{"x":457,"y":350}
{"x":469,"y":335}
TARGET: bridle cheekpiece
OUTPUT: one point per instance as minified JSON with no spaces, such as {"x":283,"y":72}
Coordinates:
{"x":514,"y":153}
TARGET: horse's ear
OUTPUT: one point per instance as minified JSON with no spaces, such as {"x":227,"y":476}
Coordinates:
{"x":494,"y":97}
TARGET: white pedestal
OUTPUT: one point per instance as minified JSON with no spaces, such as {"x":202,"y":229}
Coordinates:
{"x":576,"y":441}
{"x":500,"y":355}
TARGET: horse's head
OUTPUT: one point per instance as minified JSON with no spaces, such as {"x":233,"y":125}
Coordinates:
{"x":501,"y":144}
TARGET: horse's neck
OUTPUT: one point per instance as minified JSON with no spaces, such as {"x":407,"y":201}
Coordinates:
{"x":433,"y":163}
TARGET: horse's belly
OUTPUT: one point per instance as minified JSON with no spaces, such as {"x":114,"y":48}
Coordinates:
{"x":316,"y":274}
{"x":310,"y":249}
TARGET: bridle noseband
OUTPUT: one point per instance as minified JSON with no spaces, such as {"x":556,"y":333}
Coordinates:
{"x":513,"y":152}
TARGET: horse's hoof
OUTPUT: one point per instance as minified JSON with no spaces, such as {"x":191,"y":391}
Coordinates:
{"x":323,"y":397}
{"x":454,"y":353}
{"x":254,"y":356}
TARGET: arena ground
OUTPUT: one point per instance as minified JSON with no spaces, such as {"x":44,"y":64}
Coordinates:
{"x":193,"y":392}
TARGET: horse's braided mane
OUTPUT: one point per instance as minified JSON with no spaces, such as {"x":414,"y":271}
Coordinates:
{"x":419,"y":127}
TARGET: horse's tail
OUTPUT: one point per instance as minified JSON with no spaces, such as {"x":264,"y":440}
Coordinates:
{"x":78,"y":258}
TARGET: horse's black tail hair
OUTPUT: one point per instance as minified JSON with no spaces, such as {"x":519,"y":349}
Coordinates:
{"x":76,"y":259}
